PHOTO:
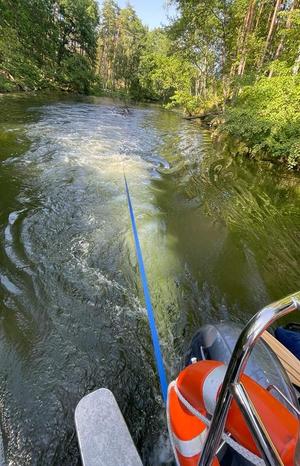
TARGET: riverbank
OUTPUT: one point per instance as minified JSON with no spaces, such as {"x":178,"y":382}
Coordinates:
{"x":71,"y":83}
{"x":262,"y":121}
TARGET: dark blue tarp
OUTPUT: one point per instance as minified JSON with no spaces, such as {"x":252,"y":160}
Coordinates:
{"x":290,"y":339}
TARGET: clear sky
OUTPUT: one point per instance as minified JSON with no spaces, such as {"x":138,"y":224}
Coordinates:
{"x":153,"y":13}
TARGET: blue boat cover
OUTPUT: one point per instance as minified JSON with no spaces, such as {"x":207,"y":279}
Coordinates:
{"x":290,"y":339}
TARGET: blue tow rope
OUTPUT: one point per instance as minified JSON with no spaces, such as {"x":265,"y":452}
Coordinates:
{"x":154,"y":334}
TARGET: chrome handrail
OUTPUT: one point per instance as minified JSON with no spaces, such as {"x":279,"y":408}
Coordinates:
{"x":260,"y":434}
{"x":286,"y":400}
{"x":242,"y":350}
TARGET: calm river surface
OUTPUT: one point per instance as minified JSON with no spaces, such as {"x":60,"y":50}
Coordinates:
{"x":220,"y":238}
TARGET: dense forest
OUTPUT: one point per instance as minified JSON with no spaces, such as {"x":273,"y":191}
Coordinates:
{"x":234,"y":63}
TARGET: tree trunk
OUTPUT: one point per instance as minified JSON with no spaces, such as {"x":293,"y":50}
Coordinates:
{"x":261,"y":7}
{"x":248,"y":25}
{"x":297,"y":63}
{"x":270,"y":33}
{"x":280,"y":45}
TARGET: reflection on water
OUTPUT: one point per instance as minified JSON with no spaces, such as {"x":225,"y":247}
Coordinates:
{"x":219,"y":236}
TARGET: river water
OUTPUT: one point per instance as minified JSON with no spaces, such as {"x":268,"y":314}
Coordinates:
{"x":220,"y":238}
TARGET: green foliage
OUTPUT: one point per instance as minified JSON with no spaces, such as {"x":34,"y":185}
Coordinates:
{"x":164,"y":76}
{"x":121,"y":43}
{"x":77,"y":22}
{"x":266,"y":118}
{"x":76,"y":74}
{"x":47,"y":43}
{"x":6,"y":85}
{"x":246,"y":57}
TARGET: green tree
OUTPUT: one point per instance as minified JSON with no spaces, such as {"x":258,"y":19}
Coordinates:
{"x":166,"y":76}
{"x":77,"y":22}
{"x":129,"y":48}
{"x":107,"y":42}
{"x":37,"y":36}
{"x":121,"y":42}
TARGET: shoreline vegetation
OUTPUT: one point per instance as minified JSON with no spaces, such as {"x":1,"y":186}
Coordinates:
{"x":233,"y":64}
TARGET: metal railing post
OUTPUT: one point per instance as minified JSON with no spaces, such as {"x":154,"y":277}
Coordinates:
{"x":262,"y":439}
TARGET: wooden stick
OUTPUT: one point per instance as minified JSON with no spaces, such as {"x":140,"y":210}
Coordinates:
{"x":290,"y":363}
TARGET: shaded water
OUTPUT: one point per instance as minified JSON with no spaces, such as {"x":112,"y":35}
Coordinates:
{"x":220,"y":238}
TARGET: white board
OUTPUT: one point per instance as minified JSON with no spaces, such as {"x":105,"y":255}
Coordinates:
{"x":103,"y":436}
